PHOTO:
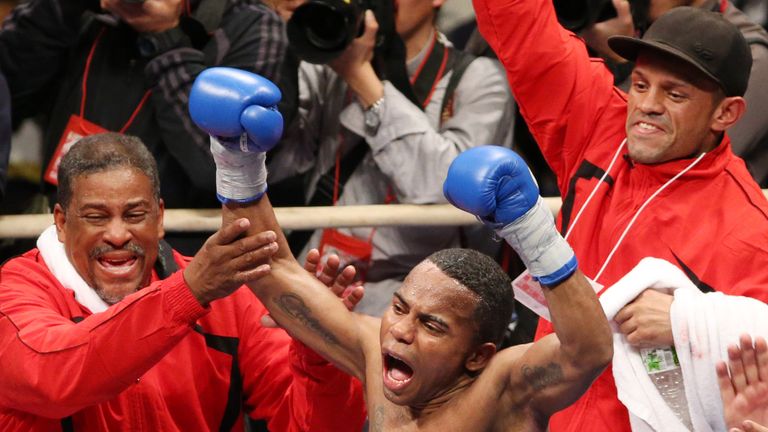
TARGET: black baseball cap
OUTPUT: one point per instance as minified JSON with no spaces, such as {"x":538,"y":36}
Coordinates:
{"x":699,"y":37}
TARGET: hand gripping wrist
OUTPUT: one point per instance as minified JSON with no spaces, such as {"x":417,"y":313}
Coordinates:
{"x":240,"y":176}
{"x":545,"y":253}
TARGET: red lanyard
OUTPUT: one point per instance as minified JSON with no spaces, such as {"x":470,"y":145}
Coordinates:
{"x":85,"y":86}
{"x":439,"y":72}
{"x":337,"y":167}
{"x":390,"y":197}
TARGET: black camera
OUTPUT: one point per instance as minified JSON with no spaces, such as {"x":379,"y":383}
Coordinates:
{"x":320,"y":30}
{"x":576,"y":15}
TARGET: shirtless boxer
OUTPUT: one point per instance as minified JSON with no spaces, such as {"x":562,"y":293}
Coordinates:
{"x":431,"y":362}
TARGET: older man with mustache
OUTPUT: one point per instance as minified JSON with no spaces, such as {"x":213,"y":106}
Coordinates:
{"x":104,"y":327}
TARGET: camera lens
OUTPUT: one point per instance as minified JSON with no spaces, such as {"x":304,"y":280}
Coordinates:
{"x":327,"y":28}
{"x":319,"y":30}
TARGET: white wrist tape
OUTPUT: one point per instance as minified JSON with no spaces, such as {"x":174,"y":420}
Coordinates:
{"x":545,"y":253}
{"x":240,"y":176}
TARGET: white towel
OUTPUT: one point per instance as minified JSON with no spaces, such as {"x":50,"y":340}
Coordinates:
{"x":52,"y":251}
{"x":647,"y":409}
{"x":703,"y":326}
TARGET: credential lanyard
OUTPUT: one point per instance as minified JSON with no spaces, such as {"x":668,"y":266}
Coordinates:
{"x":85,"y":87}
{"x":337,"y":175}
{"x":637,"y":213}
{"x":424,"y":81}
{"x":430,"y":71}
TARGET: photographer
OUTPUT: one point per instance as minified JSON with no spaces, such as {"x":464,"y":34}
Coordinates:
{"x":127,"y":65}
{"x":750,"y":136}
{"x":363,"y":140}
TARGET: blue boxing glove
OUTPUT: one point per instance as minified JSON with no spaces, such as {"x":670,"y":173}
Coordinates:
{"x":495,"y":184}
{"x":238,"y":109}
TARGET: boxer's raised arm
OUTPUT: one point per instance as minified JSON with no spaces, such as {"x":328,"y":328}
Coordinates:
{"x":237,"y":109}
{"x":301,"y":304}
{"x":495,"y":184}
{"x":557,"y":369}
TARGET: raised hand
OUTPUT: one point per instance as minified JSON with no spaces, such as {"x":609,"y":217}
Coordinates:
{"x":745,"y":390}
{"x":354,"y":64}
{"x":226,"y":261}
{"x":495,"y":184}
{"x":340,"y":282}
{"x":239,"y":110}
{"x":229,"y":103}
{"x":596,"y":35}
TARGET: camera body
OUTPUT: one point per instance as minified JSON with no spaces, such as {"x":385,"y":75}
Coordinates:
{"x":575,"y":15}
{"x":320,"y":30}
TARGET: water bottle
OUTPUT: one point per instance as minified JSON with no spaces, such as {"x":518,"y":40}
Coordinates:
{"x":663,"y":368}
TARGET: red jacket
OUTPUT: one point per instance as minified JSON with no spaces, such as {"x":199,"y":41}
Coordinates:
{"x":156,"y":361}
{"x":712,"y":222}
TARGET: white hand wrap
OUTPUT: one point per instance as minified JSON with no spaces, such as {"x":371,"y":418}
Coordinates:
{"x":240,"y":176}
{"x":543,"y":250}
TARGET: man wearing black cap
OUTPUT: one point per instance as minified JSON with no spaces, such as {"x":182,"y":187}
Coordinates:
{"x":648,"y":173}
{"x":749,"y":137}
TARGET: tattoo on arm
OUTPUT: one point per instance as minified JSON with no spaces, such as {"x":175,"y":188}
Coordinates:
{"x":540,"y":377}
{"x":295,"y":307}
{"x":377,"y":419}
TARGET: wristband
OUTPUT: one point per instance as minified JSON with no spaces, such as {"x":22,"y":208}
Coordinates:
{"x":224,"y":200}
{"x":241,"y":177}
{"x":546,"y":254}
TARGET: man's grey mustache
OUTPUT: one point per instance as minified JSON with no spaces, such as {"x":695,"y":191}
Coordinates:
{"x":101,"y":250}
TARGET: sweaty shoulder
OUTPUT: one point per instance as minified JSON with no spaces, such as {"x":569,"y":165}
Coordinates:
{"x":503,"y":371}
{"x":501,"y":395}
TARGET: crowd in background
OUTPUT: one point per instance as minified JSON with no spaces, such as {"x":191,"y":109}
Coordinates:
{"x":75,"y":68}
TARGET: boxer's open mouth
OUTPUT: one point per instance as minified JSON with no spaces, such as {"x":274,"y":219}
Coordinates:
{"x":397,"y":372}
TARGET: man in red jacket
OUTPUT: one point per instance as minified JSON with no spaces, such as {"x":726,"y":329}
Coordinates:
{"x":104,"y":327}
{"x":648,"y":173}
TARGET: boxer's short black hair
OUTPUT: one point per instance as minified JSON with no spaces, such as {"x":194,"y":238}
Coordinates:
{"x":483,"y":276}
